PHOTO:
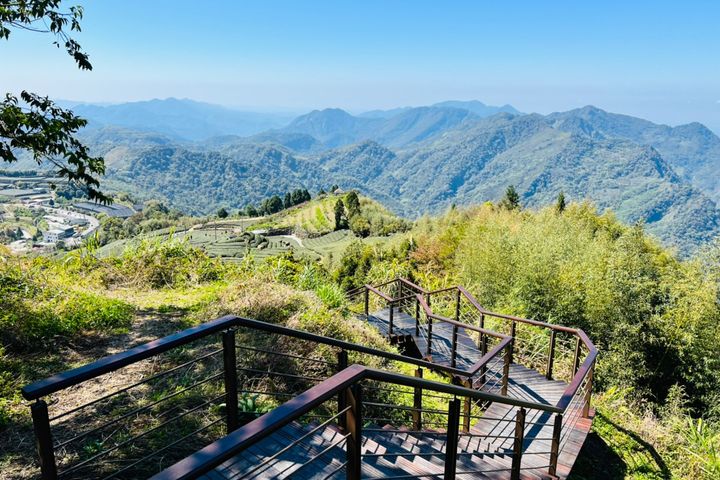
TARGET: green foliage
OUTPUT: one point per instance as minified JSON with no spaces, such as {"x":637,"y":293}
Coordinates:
{"x":35,"y":124}
{"x":163,"y":263}
{"x":655,"y":318}
{"x":155,"y":215}
{"x":222,"y":213}
{"x":36,"y":305}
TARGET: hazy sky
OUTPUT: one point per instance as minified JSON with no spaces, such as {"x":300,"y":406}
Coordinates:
{"x":655,"y":59}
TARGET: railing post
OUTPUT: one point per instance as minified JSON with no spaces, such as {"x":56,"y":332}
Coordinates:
{"x":390,"y":325}
{"x":467,"y":403}
{"x":518,"y":445}
{"x":555,"y":445}
{"x":354,"y":426}
{"x":417,"y":404}
{"x":513,"y":329}
{"x":231,"y":380}
{"x":576,"y":360}
{"x":506,"y":368}
{"x":551,"y":356}
{"x":451,"y":445}
{"x":367,"y":302}
{"x":453,"y":352}
{"x":588,"y":392}
{"x":43,"y":440}
{"x":342,"y":360}
{"x":457,"y":306}
{"x":417,"y":316}
{"x":483,"y":337}
{"x":428,"y":352}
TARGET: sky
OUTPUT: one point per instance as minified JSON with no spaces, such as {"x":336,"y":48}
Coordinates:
{"x":654,"y":59}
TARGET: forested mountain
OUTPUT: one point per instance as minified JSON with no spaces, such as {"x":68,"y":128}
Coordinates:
{"x":692,"y":150}
{"x":424,"y":159}
{"x":335,"y":127}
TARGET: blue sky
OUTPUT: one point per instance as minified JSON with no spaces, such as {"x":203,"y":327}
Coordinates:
{"x":658,"y":60}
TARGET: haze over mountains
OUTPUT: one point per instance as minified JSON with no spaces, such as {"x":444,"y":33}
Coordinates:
{"x":417,"y":159}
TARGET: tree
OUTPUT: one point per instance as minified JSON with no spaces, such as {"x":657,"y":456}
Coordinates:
{"x":333,"y":188}
{"x":360,"y":226}
{"x":251,"y":211}
{"x":33,"y":123}
{"x":560,"y":205}
{"x":511,"y":201}
{"x":287,"y":201}
{"x":274,"y":204}
{"x":222,"y":213}
{"x":353,"y":204}
{"x":306,"y":195}
{"x":296,"y":197}
{"x":321,"y":192}
{"x":340,"y":215}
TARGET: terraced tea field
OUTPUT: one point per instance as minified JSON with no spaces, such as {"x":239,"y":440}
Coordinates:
{"x":226,"y":242}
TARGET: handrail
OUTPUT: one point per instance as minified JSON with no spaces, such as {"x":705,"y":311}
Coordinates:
{"x":528,"y":321}
{"x":232,"y":444}
{"x":581,"y":373}
{"x":114,"y":362}
{"x":466,"y":326}
{"x":379,"y":293}
{"x":505,"y":340}
{"x":578,"y":376}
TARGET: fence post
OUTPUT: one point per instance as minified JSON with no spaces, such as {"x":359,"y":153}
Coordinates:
{"x":588,"y":392}
{"x":367,"y":302}
{"x":43,"y":440}
{"x":453,"y":352}
{"x":518,"y":445}
{"x":555,"y":445}
{"x":231,"y":380}
{"x":342,"y":360}
{"x":354,"y":425}
{"x":551,"y":356}
{"x":506,"y":368}
{"x":417,"y":404}
{"x":451,"y":445}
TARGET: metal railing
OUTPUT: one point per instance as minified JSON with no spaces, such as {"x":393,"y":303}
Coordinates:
{"x":348,"y":389}
{"x":193,"y":386}
{"x":556,"y":351}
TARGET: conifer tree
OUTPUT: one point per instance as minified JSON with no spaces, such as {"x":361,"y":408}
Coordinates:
{"x":560,"y":205}
{"x":511,"y":201}
{"x":340,"y":215}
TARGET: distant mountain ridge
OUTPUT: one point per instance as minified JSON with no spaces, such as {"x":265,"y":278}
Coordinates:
{"x":181,"y":119}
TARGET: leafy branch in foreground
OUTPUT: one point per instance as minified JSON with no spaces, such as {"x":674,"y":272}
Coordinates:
{"x":34,"y":123}
{"x":44,"y":16}
{"x":48,"y":133}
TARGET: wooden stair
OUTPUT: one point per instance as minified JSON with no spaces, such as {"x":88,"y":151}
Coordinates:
{"x":484,"y":452}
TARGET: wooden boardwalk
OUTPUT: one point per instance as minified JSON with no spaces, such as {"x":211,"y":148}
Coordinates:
{"x":484,"y":452}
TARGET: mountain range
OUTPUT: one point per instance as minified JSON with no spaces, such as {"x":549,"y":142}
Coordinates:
{"x":420,"y":159}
